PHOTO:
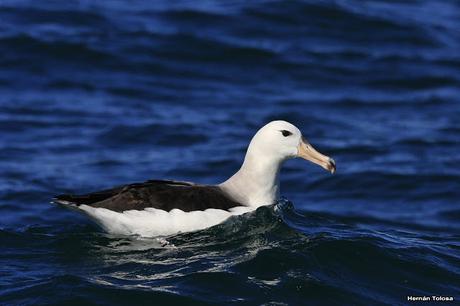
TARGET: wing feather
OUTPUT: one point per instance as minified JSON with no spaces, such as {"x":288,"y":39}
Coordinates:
{"x":160,"y":194}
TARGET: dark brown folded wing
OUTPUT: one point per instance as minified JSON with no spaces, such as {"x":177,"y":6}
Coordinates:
{"x":160,"y":194}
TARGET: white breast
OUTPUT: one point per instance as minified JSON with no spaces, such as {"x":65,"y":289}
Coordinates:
{"x":152,"y":222}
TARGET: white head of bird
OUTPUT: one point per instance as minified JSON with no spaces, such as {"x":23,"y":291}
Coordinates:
{"x":257,"y":181}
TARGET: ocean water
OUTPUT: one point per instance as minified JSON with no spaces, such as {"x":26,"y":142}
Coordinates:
{"x":100,"y":93}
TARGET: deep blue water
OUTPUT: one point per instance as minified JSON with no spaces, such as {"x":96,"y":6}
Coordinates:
{"x":99,"y":93}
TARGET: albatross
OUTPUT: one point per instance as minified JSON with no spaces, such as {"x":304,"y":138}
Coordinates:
{"x":165,"y":207}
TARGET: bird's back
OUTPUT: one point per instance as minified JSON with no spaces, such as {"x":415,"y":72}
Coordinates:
{"x":160,"y":194}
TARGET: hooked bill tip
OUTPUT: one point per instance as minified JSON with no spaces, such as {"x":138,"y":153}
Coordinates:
{"x":332,"y":167}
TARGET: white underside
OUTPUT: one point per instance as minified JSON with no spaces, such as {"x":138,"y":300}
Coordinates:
{"x":152,"y":222}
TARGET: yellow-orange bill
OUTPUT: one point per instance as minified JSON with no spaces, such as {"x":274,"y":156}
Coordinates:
{"x":306,"y":151}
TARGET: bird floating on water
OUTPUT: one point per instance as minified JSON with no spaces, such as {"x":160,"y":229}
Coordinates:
{"x":163,"y":207}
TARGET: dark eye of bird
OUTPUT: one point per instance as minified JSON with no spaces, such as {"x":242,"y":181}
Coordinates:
{"x":286,"y":133}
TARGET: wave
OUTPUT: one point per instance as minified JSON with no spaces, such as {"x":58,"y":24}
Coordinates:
{"x":294,"y":256}
{"x":70,"y":17}
{"x":98,"y":95}
{"x":167,"y":135}
{"x":75,"y":51}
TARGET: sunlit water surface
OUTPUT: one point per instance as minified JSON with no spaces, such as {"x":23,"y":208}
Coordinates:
{"x":97,"y":94}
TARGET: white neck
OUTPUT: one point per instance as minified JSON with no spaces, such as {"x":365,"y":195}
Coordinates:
{"x":257,"y":181}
